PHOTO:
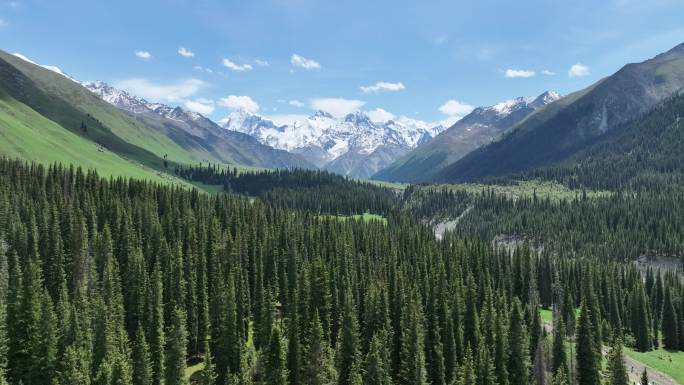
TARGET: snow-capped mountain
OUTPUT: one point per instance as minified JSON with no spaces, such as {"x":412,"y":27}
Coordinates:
{"x":197,"y":131}
{"x":138,"y":105}
{"x":476,"y":129}
{"x":352,"y":145}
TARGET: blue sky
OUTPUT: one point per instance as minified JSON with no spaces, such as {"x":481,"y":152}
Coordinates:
{"x":428,"y":60}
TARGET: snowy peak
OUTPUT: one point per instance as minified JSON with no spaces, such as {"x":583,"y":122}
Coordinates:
{"x":246,"y":122}
{"x":507,"y":107}
{"x":52,"y":68}
{"x":118,"y":98}
{"x":321,"y":114}
{"x":137,"y":105}
{"x":326,"y":138}
{"x":545,"y":98}
{"x":358,"y":118}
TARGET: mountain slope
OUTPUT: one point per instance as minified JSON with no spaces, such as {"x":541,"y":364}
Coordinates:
{"x":152,"y":141}
{"x":196,"y":133}
{"x":353,"y":145}
{"x":476,"y":129}
{"x":28,"y":135}
{"x":643,"y":153}
{"x":561,"y":129}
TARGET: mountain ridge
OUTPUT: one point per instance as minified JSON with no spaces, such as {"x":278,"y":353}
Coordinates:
{"x":561,"y":129}
{"x":353,"y":144}
{"x":213,"y":138}
{"x":479,"y":127}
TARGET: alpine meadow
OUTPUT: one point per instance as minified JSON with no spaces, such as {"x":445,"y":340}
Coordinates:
{"x":341,"y":193}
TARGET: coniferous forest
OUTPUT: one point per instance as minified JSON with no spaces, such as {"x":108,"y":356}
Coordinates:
{"x":118,"y":281}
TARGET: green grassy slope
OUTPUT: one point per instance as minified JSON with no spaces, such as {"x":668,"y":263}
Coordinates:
{"x":68,"y":104}
{"x":670,"y":363}
{"x":28,"y":135}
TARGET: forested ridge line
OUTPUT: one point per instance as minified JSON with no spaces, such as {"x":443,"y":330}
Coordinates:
{"x":621,"y":225}
{"x":320,"y":192}
{"x":125,"y":282}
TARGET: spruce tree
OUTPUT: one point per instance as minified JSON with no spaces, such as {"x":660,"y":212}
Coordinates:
{"x":588,"y":365}
{"x":156,"y":326}
{"x":319,"y":365}
{"x":348,"y":344}
{"x":176,"y":349}
{"x":669,"y":322}
{"x":208,"y":376}
{"x":275,"y":372}
{"x":466,"y":371}
{"x":560,"y":377}
{"x":376,"y":365}
{"x":616,"y":370}
{"x":518,"y":344}
{"x":640,"y":320}
{"x":558,"y":354}
{"x":412,"y":349}
{"x":142,"y":364}
{"x":644,"y":378}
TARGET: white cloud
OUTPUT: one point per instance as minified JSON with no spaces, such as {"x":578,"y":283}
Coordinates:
{"x":185,"y":52}
{"x":203,"y":69}
{"x":380,"y":115}
{"x":262,"y":63}
{"x":201,"y":105}
{"x":511,"y":73}
{"x":307,"y":64}
{"x":161,"y":92}
{"x":549,"y":73}
{"x":296,"y":103}
{"x":236,"y":67}
{"x":239,"y":102}
{"x":578,"y":70}
{"x":383,"y":86}
{"x":146,"y":56}
{"x":454,"y":107}
{"x":336,"y":106}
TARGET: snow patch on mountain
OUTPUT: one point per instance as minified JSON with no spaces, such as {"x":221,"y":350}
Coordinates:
{"x":137,"y":105}
{"x":321,"y":133}
{"x":54,"y":69}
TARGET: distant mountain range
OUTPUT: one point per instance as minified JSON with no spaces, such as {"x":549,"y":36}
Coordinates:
{"x":353,"y":145}
{"x":476,"y":129}
{"x":225,"y":146}
{"x":51,"y":117}
{"x":576,"y":122}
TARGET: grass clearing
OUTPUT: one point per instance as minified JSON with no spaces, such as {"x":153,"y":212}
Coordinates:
{"x":668,"y":362}
{"x":193,"y":371}
{"x":390,"y":185}
{"x":526,"y":189}
{"x":365,"y":217}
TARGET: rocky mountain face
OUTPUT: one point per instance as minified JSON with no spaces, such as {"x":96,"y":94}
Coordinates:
{"x":353,"y":145}
{"x":562,"y":129}
{"x":476,"y":129}
{"x":200,"y":133}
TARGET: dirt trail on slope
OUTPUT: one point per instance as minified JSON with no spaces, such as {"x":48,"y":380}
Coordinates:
{"x":634,"y":367}
{"x":442,"y":227}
